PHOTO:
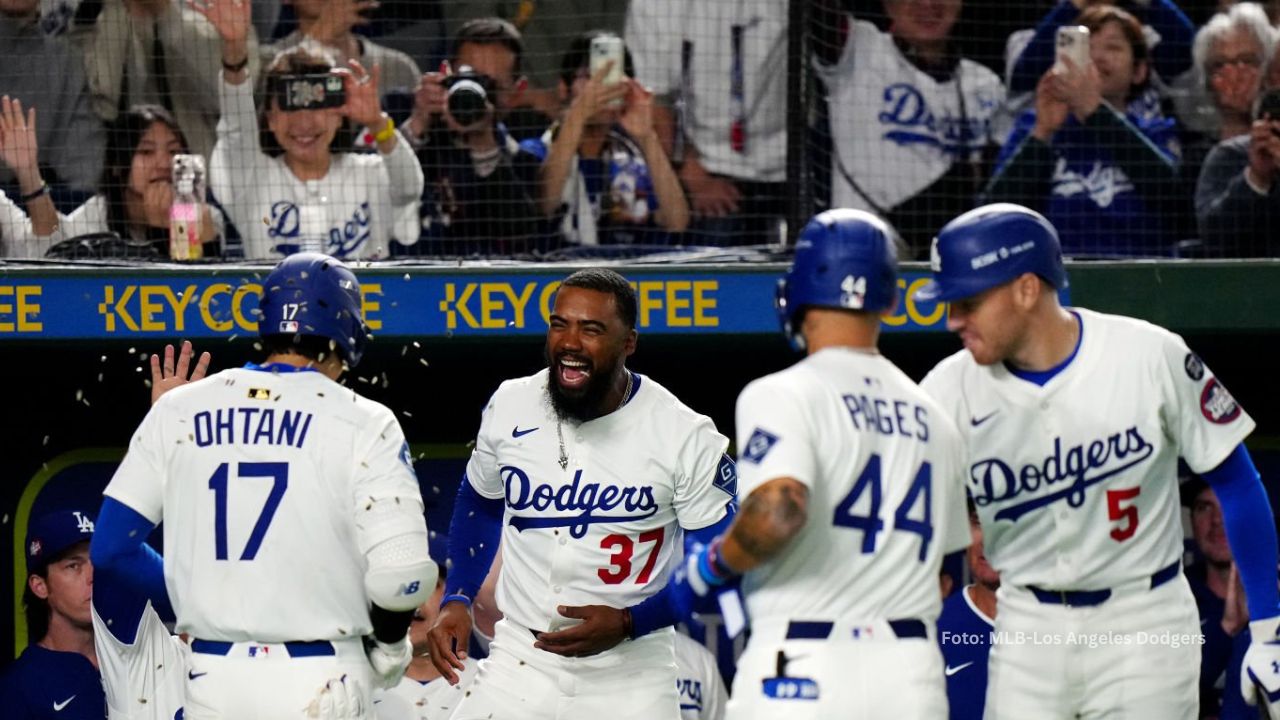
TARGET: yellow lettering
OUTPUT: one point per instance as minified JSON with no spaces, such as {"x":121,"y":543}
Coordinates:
{"x":648,"y":303}
{"x":147,"y":307}
{"x":519,"y":302}
{"x":702,"y":304}
{"x":207,"y":301}
{"x":369,"y":306}
{"x":118,"y":308}
{"x":914,"y":312}
{"x":237,"y":305}
{"x":461,"y":305}
{"x":544,"y":300}
{"x":27,"y":309}
{"x":489,"y":305}
{"x":178,"y":303}
{"x":675,"y":302}
{"x":6,"y":308}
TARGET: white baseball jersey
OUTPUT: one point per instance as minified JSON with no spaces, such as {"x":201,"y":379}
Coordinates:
{"x":604,"y":529}
{"x":432,"y":700}
{"x":656,"y":31}
{"x":702,"y":691}
{"x":259,"y":477}
{"x":145,"y":680}
{"x":897,"y":130}
{"x":883,"y":467}
{"x":1076,"y":481}
{"x":351,"y":213}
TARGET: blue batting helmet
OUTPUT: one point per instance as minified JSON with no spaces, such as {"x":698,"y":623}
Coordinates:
{"x":989,"y":246}
{"x":314,"y":294}
{"x":845,"y":259}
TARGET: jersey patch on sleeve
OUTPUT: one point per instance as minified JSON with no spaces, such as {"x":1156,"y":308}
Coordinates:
{"x":1194,"y":366}
{"x":727,"y":475}
{"x":758,"y":445}
{"x":1217,"y":405}
{"x":407,"y":458}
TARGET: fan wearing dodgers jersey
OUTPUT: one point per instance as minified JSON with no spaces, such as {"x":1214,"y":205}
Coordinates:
{"x":592,"y":476}
{"x":273,"y":478}
{"x":910,"y":117}
{"x":852,"y":494}
{"x":1074,"y":422}
{"x":307,"y":197}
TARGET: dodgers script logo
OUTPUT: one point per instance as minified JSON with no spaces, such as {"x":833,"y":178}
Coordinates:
{"x":285,"y":224}
{"x":588,"y":500}
{"x":910,"y":121}
{"x":992,"y":480}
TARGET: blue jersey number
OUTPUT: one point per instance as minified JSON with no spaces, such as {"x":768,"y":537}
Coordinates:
{"x":278,"y":472}
{"x":871,"y":524}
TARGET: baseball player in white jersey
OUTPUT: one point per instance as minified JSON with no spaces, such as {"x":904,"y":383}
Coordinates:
{"x":1074,"y":422}
{"x":852,"y":493}
{"x":592,"y":475}
{"x":698,"y":681}
{"x":294,"y":520}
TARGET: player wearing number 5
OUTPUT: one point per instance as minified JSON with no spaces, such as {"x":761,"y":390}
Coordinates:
{"x":1074,"y":422}
{"x":590,"y":474}
{"x":851,"y":496}
{"x":293,"y":522}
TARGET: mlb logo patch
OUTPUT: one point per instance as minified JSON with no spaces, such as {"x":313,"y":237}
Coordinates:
{"x":258,"y":651}
{"x":758,"y":445}
{"x":288,"y":326}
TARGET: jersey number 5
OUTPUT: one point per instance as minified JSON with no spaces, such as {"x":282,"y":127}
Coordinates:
{"x":871,"y":524}
{"x":278,"y":472}
{"x":1127,"y":514}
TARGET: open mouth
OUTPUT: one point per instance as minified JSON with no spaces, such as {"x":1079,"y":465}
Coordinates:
{"x":572,"y":372}
{"x":305,"y":142}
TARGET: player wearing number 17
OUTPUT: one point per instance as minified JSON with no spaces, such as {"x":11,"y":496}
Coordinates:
{"x":852,"y":493}
{"x":293,"y":523}
{"x":1074,"y":423}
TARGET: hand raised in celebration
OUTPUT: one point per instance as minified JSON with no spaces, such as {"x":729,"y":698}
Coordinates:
{"x":167,"y":376}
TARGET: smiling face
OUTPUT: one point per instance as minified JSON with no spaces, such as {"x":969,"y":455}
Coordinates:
{"x":922,"y":21}
{"x":1112,"y":54}
{"x":153,"y":158}
{"x":304,"y":135}
{"x":587,"y":344}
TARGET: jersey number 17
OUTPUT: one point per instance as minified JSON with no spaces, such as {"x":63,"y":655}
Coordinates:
{"x":278,"y":472}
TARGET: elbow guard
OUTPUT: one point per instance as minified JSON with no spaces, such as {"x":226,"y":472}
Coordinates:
{"x":401,"y":574}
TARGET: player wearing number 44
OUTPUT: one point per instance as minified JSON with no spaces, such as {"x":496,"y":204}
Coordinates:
{"x":852,"y":493}
{"x":306,"y":542}
{"x":590,"y":474}
{"x":1074,"y":422}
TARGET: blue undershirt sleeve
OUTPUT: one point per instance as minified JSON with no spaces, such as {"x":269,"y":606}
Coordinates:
{"x":1251,"y":529}
{"x":474,"y":534}
{"x":658,"y":611}
{"x":124,"y":561}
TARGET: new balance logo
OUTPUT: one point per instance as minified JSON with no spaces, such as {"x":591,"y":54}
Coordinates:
{"x":517,"y":432}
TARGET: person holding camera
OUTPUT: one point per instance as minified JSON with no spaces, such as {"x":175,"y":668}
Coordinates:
{"x":281,"y":181}
{"x":1238,"y":193}
{"x":481,"y":185}
{"x":605,"y":177}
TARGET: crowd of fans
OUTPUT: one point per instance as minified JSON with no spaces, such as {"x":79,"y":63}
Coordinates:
{"x":1165,"y":144}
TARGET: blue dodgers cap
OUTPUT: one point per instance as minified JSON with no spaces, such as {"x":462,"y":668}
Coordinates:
{"x":51,"y":534}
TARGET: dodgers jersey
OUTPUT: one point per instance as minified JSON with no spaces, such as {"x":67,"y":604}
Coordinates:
{"x":964,"y":634}
{"x":351,"y":213}
{"x":431,"y":700}
{"x":145,"y":679}
{"x":883,"y":466}
{"x":702,"y":691}
{"x":260,"y":478}
{"x":1076,"y":482}
{"x":603,"y":530}
{"x":897,"y":129}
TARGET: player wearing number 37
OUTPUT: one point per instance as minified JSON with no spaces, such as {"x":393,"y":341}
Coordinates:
{"x":852,"y":493}
{"x":591,"y":475}
{"x":293,"y":523}
{"x":1074,"y":422}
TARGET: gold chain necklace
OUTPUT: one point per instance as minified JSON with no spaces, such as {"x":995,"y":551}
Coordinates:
{"x":564,"y":456}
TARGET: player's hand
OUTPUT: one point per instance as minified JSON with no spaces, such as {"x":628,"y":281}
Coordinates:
{"x":449,"y":638}
{"x":602,"y":628}
{"x":1235,"y":611}
{"x":167,"y":376}
{"x":340,"y":699}
{"x":390,"y":660}
{"x":1260,"y":674}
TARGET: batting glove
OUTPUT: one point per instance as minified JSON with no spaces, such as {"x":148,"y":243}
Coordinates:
{"x":340,"y":699}
{"x":389,"y":661}
{"x":1260,"y":676}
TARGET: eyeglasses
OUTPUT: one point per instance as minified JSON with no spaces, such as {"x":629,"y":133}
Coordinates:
{"x":1250,"y":59}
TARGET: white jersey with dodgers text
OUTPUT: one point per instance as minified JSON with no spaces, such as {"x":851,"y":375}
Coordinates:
{"x":702,"y":692}
{"x":882,"y":464}
{"x":1076,"y":481}
{"x":897,"y":129}
{"x":259,"y":478}
{"x":604,"y":529}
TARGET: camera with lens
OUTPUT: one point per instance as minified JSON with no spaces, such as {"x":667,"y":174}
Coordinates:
{"x":469,"y":95}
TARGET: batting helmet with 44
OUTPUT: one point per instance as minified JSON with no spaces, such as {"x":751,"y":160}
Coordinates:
{"x":989,"y":246}
{"x":845,"y":259}
{"x":314,"y":294}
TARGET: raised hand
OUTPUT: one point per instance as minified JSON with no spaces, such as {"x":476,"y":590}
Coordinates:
{"x":231,"y":18}
{"x":637,"y":118}
{"x":364,"y":106}
{"x":167,"y":376}
{"x":1051,"y":106}
{"x":18,"y":148}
